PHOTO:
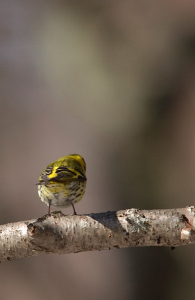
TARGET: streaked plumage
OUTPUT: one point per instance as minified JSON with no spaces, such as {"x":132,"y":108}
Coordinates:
{"x":63,"y":182}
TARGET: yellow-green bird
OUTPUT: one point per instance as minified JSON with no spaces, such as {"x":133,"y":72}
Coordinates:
{"x":63,"y":182}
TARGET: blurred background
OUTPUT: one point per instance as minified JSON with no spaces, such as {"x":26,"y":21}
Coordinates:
{"x":115,"y":82}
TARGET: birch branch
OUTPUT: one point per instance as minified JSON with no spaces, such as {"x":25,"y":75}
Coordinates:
{"x":62,"y":234}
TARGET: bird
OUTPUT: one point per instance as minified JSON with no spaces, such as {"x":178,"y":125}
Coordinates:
{"x":63,"y":182}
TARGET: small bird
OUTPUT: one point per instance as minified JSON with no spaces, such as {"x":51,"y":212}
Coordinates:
{"x":63,"y":182}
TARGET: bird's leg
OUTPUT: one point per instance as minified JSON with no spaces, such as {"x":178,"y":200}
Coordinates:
{"x":49,"y":207}
{"x":73,"y":208}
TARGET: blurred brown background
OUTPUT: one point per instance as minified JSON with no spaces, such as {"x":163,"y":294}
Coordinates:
{"x":115,"y":82}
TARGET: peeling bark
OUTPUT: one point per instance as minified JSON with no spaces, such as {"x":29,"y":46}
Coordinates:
{"x":61,"y":234}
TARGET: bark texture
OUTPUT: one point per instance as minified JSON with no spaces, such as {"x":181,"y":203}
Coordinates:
{"x":61,"y":234}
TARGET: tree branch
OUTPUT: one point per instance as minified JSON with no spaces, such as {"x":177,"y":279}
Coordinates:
{"x":61,"y":234}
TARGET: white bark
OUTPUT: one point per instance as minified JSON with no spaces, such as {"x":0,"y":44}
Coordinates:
{"x":61,"y":234}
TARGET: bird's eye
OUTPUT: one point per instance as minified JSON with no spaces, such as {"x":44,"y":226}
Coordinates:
{"x":49,"y":170}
